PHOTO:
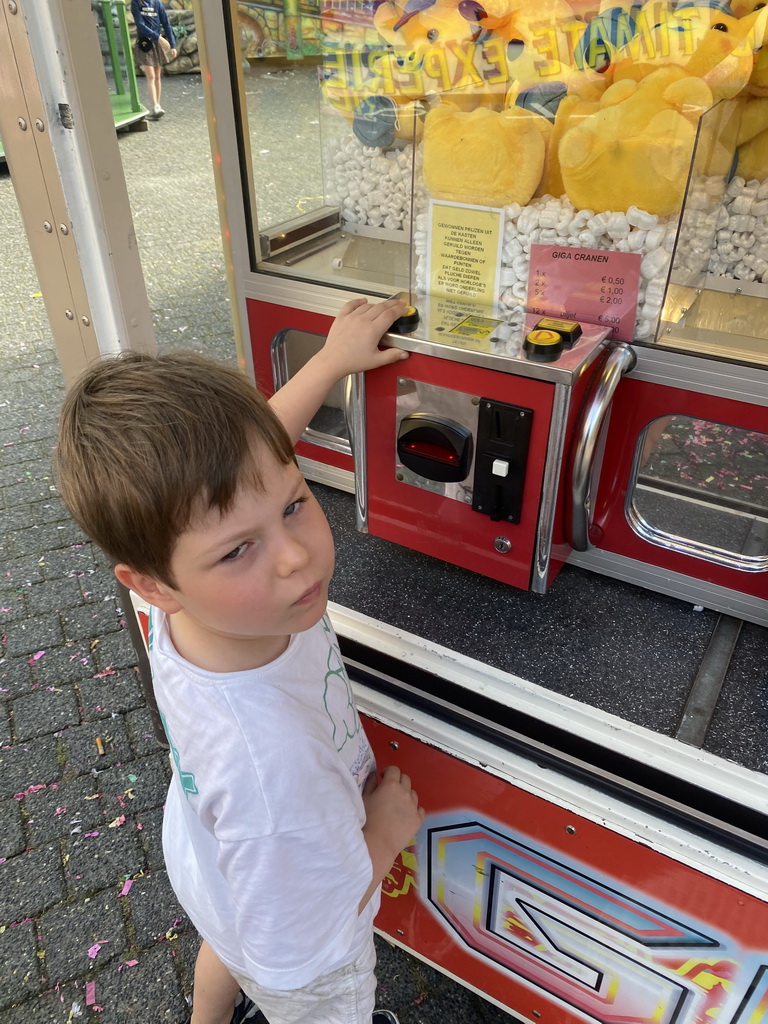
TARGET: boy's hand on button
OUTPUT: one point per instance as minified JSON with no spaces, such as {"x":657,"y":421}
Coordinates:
{"x":352,"y":345}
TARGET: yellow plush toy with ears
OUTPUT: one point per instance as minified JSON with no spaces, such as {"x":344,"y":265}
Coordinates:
{"x":483,"y":157}
{"x":633,"y":146}
{"x":630,"y":142}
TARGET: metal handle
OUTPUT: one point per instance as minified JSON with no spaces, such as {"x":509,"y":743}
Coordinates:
{"x":354,"y":416}
{"x":620,"y":361}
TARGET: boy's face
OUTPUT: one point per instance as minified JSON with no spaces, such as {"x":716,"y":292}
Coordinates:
{"x":248,"y":579}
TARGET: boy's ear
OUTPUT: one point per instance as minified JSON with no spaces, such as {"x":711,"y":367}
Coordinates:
{"x":153,"y":591}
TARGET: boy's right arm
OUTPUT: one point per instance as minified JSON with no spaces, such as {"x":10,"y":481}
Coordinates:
{"x":393,"y":817}
{"x":351,"y":347}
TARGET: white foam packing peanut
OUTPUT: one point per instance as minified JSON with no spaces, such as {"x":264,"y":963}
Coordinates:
{"x":739,"y":250}
{"x":370,"y":185}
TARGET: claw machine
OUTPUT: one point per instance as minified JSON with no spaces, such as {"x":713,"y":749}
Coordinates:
{"x":572,"y":198}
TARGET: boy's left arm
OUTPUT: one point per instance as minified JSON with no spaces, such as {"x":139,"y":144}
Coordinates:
{"x":352,"y":346}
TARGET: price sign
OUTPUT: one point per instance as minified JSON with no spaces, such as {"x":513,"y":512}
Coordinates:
{"x":585,"y":284}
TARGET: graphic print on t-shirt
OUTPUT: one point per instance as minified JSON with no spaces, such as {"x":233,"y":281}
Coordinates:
{"x":343,"y":716}
{"x":347,"y":730}
{"x":188,"y":783}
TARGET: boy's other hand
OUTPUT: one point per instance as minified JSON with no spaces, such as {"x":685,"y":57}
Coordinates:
{"x":393,"y":813}
{"x":352,"y":345}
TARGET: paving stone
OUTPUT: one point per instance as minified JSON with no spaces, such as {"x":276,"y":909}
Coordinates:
{"x":82,"y":752}
{"x":15,"y":518}
{"x":54,"y":812}
{"x":143,"y":739}
{"x":69,"y":561}
{"x":154,"y":908}
{"x":19,"y":964}
{"x":115,"y":651}
{"x":24,"y":451}
{"x":91,"y":620}
{"x":41,"y":539}
{"x":110,"y":693}
{"x":11,"y":831}
{"x":21,"y":572}
{"x":33,"y":635}
{"x":66,"y":664}
{"x":136,"y":786}
{"x":12,"y":608}
{"x":30,"y":883}
{"x":53,"y":595}
{"x":5,"y":724}
{"x":101,"y":585}
{"x":44,"y":711}
{"x":28,"y":764}
{"x":52,"y":511}
{"x":15,"y":676}
{"x":97,"y":861}
{"x":149,"y":991}
{"x":152,"y":837}
{"x":27,"y":490}
{"x":56,"y":1006}
{"x":69,"y":930}
{"x":187,"y":947}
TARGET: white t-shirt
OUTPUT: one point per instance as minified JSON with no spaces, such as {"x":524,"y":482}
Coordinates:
{"x":262,"y":830}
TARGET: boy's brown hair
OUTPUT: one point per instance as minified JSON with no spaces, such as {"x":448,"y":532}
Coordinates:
{"x":147,"y":443}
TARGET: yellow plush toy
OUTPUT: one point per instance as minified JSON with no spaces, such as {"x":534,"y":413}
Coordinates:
{"x":483,"y":157}
{"x":630,"y":141}
{"x":706,"y":42}
{"x":753,"y":129}
{"x":634,"y":147}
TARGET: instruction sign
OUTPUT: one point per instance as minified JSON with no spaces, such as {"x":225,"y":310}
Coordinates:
{"x":464,"y":251}
{"x":585,"y":284}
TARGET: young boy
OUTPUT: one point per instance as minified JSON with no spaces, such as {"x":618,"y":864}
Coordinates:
{"x":277,"y":832}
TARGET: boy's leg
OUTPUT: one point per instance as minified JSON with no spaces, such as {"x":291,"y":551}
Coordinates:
{"x":345,"y":996}
{"x":215,"y":991}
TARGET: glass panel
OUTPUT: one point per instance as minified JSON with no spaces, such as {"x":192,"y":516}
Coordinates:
{"x":610,"y":131}
{"x":291,"y":349}
{"x":702,"y":487}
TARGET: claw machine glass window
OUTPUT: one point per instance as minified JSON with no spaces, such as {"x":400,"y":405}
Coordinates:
{"x":332,"y":163}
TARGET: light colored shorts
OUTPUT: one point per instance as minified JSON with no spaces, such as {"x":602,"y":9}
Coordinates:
{"x":345,"y":996}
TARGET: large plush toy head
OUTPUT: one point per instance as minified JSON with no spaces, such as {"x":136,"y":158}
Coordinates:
{"x":483,"y":157}
{"x":707,"y":42}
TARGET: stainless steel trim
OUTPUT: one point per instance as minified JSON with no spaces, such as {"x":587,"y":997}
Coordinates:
{"x":674,"y":584}
{"x":279,"y":359}
{"x":632,"y":740}
{"x":549,"y":488}
{"x":696,"y":373}
{"x":280,"y":376}
{"x":620,"y":360}
{"x":688,"y":546}
{"x":354,"y":412}
{"x":331,"y":476}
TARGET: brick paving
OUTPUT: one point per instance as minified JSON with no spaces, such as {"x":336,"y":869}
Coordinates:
{"x":89,"y":928}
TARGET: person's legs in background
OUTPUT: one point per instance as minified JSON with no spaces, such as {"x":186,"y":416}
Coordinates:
{"x":154,"y":85}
